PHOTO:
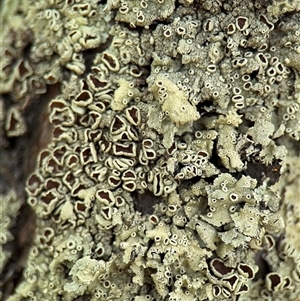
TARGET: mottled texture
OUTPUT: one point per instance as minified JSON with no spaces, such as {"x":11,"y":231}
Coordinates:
{"x":171,"y":171}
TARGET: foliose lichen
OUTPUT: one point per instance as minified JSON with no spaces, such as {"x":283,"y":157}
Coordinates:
{"x":173,"y":167}
{"x":10,"y":205}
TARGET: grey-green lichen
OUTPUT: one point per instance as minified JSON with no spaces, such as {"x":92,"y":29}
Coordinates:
{"x":171,"y":172}
{"x":9,"y":209}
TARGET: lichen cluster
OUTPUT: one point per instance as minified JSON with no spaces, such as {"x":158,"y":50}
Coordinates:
{"x":173,"y":171}
{"x":10,"y":206}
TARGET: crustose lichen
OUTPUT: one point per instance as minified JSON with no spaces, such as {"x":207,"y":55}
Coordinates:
{"x":172,"y":172}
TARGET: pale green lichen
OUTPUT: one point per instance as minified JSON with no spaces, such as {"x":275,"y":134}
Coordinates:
{"x":174,"y":101}
{"x":9,"y":210}
{"x":162,"y":177}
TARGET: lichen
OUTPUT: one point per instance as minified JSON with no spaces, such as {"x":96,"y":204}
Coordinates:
{"x":10,"y":205}
{"x":172,"y":172}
